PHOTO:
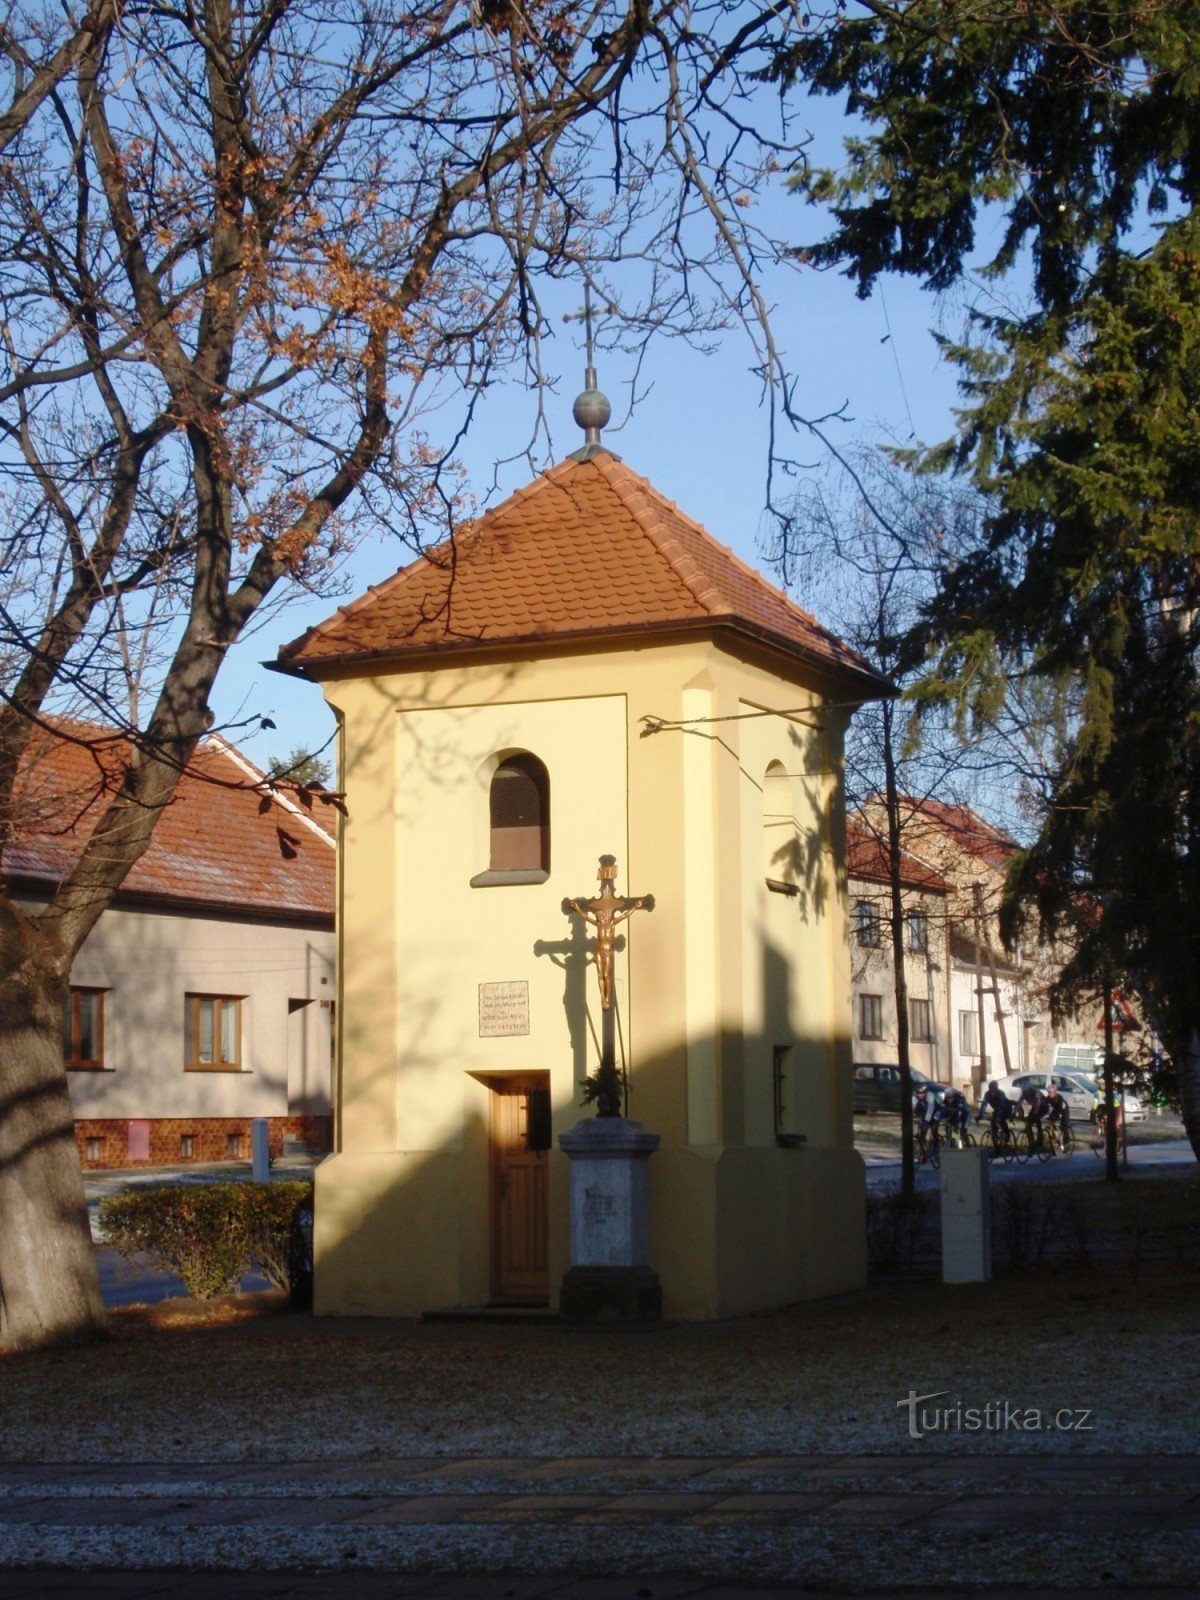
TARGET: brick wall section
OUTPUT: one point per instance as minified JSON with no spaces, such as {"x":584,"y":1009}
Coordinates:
{"x":209,"y":1135}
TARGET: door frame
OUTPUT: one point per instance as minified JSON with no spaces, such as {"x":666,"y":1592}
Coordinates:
{"x":498,"y":1083}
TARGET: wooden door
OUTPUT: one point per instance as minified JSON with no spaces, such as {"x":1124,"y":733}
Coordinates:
{"x":520,"y":1152}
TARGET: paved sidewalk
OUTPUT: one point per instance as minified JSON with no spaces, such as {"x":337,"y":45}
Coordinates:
{"x":845,"y":1524}
{"x":399,"y":1586}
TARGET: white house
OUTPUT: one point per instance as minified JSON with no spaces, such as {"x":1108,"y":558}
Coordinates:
{"x":926,"y":955}
{"x":204,"y":996}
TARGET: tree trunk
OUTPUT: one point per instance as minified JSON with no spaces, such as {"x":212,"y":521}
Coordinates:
{"x":908,"y":1178}
{"x":48,"y":1278}
{"x":1187,"y":1071}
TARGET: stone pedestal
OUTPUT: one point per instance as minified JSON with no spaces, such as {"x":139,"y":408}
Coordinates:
{"x":966,"y":1217}
{"x":610,"y":1274}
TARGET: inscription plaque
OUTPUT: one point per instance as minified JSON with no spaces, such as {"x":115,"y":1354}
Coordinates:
{"x":503,"y":1009}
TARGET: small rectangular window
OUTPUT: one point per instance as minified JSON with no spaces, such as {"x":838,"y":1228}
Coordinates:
{"x":83,"y":1030}
{"x":866,"y":923}
{"x":918,"y":932}
{"x":920,"y":1021}
{"x":187,"y":1146}
{"x":968,"y":1033}
{"x":233,"y":1146}
{"x":93,"y":1149}
{"x":870,"y":1016}
{"x":212,"y":1033}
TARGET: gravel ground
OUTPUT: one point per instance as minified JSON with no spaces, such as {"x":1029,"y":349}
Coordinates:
{"x":1123,"y":1343}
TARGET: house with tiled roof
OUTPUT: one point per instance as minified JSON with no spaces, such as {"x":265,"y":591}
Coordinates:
{"x":583,"y":672}
{"x":203,"y":998}
{"x":926,"y":937}
{"x":1000,"y":1022}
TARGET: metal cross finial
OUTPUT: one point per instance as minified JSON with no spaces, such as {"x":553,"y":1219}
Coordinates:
{"x":589,"y":381}
{"x":591,"y":409}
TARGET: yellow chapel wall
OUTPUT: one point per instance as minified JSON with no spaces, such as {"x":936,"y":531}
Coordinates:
{"x":402,"y":1213}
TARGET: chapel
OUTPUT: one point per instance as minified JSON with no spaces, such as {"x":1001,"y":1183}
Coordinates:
{"x":584,"y":670}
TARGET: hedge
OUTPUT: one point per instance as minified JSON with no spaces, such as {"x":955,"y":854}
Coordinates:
{"x":211,"y":1234}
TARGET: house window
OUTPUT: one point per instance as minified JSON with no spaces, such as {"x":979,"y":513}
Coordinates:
{"x":780,"y":845}
{"x":212,"y":1033}
{"x":233,"y":1146}
{"x":187,"y":1146}
{"x":866,"y":923}
{"x":968,"y":1033}
{"x":83,"y":1029}
{"x":518,"y":822}
{"x":920,"y":1021}
{"x":918,"y":932}
{"x":93,"y":1149}
{"x":870,"y":1016}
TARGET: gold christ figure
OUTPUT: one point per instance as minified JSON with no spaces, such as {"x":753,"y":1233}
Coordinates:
{"x":604,"y":911}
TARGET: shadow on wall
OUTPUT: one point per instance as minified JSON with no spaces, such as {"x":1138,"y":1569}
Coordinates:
{"x":796,"y":858}
{"x":736,"y":1226}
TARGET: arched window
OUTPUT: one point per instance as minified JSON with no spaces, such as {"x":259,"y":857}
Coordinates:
{"x":519,"y":815}
{"x":780,"y":844}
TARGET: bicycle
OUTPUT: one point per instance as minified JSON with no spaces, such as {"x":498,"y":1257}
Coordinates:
{"x":1000,"y":1141}
{"x":928,"y":1145}
{"x":1096,"y":1142}
{"x":1027,"y":1144}
{"x":1061,"y":1139}
{"x":961,"y":1138}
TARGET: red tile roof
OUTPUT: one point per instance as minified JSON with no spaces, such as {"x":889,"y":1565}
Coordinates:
{"x":588,"y":549}
{"x":212,"y":845}
{"x":867,"y":856}
{"x":965,"y":829}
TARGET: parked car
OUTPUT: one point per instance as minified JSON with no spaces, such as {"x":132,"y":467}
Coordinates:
{"x":1135,"y":1111}
{"x":1078,"y":1089}
{"x":877,"y":1086}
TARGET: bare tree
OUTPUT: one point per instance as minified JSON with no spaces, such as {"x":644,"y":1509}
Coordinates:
{"x":247,"y":245}
{"x":870,"y":539}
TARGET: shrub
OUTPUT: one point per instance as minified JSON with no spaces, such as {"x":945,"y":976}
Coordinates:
{"x":278,"y":1223}
{"x":900,"y":1233}
{"x":210,"y":1235}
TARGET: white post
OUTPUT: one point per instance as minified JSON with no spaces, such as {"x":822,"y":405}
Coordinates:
{"x":260,"y":1149}
{"x":966,"y":1217}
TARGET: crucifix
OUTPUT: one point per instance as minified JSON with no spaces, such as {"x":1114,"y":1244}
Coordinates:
{"x":604,"y":911}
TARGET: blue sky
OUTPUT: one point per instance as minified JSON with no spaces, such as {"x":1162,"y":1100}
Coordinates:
{"x":700,"y":435}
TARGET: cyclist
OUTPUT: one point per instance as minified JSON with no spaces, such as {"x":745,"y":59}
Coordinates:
{"x":925,"y":1113}
{"x":1059,"y":1111}
{"x":997,"y":1102}
{"x":1099,"y":1115}
{"x":1036,"y":1107}
{"x":954,"y":1111}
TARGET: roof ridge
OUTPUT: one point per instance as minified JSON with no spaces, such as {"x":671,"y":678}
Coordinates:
{"x":655,"y":494}
{"x":638,"y":499}
{"x":222,"y":746}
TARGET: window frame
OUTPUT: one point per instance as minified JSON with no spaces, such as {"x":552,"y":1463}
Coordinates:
{"x":74,"y":1062}
{"x":917,"y":941}
{"x":192,"y":1001}
{"x":914,"y":1032}
{"x":868,"y":933}
{"x":876,"y":1009}
{"x":966,"y":1048}
{"x":528,"y":872}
